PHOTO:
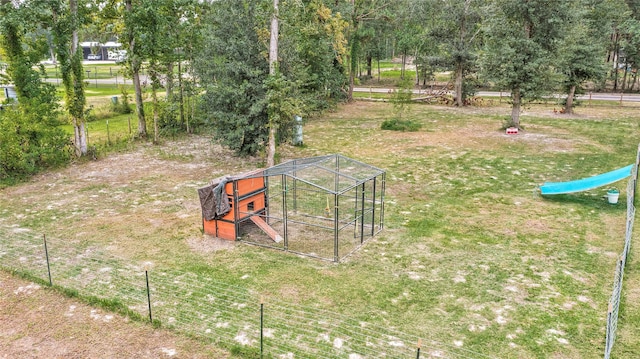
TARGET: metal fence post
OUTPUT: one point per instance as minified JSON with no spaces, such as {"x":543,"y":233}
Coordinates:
{"x":261,"y":326}
{"x":46,"y":252}
{"x":146,"y":274}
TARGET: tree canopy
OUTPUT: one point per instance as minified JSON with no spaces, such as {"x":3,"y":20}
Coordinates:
{"x":220,"y":50}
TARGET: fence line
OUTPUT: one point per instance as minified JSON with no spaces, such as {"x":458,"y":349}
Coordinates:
{"x":614,"y":302}
{"x":200,"y":306}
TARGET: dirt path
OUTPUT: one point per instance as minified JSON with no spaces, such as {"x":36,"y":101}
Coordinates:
{"x":39,"y":323}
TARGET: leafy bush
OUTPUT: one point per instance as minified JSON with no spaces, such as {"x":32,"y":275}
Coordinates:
{"x":28,"y":146}
{"x":122,"y":107}
{"x":401,"y":125}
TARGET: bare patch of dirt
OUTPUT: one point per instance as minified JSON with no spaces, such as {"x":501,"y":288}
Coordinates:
{"x":487,"y":136}
{"x":39,"y":323}
{"x":209,"y":244}
{"x":152,"y":186}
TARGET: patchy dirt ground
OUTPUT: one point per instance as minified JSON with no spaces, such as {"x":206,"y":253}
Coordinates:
{"x":142,"y":205}
{"x":104,"y":196}
{"x":39,"y":323}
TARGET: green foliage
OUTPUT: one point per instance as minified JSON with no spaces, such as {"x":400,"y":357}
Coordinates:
{"x":30,"y":140}
{"x":122,"y":107}
{"x":235,"y":101}
{"x":580,"y":59}
{"x":401,"y":125}
{"x":282,"y":104}
{"x":29,"y":144}
{"x":64,"y":22}
{"x":521,"y":44}
{"x":402,"y":97}
{"x":311,"y":50}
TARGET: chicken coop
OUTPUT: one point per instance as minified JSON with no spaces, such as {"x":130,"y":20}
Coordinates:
{"x":324,"y":207}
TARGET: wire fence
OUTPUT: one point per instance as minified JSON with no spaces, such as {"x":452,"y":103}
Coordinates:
{"x":198,"y":305}
{"x":614,"y":302}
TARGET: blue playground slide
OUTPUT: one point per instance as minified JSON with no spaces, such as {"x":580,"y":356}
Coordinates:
{"x":586,"y":184}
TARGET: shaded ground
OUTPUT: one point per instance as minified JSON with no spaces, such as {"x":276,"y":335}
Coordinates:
{"x":39,"y":323}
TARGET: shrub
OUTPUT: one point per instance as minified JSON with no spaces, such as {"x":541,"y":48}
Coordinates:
{"x":401,"y":125}
{"x":28,"y":145}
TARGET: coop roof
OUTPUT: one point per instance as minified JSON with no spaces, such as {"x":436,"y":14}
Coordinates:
{"x":331,"y":173}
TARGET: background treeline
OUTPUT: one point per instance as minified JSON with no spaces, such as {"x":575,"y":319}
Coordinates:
{"x":206,"y":63}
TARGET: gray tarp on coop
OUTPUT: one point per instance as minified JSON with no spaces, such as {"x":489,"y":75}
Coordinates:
{"x":214,"y":200}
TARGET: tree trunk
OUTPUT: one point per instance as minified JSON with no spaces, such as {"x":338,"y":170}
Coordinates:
{"x":273,"y":62}
{"x":378,"y":61}
{"x":72,"y":78}
{"x":415,"y":56}
{"x":353,"y":62}
{"x":135,"y":74}
{"x":568,"y":108}
{"x":180,"y":85}
{"x":515,"y":107}
{"x":404,"y":61}
{"x":169,"y":82}
{"x":615,"y":67}
{"x":142,"y":124}
{"x":369,"y":65}
{"x":52,"y":53}
{"x":154,"y":96}
{"x":458,"y":101}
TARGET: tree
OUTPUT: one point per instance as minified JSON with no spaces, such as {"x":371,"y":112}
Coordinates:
{"x":458,"y":30}
{"x":581,"y":57}
{"x":361,"y":11}
{"x":134,"y":59}
{"x":273,"y":68}
{"x":30,"y":136}
{"x":66,"y":21}
{"x":521,"y":43}
{"x":312,"y":50}
{"x":233,"y":69}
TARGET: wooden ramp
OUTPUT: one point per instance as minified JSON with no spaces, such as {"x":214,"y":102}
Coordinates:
{"x":266,"y":228}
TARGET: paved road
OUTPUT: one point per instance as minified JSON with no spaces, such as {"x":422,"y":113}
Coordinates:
{"x":594,"y":96}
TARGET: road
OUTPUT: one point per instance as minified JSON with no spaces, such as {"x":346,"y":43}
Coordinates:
{"x":593,"y":96}
{"x":596,"y":96}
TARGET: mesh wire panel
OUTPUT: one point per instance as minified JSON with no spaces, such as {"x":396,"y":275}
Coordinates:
{"x":331,"y":173}
{"x":317,"y":210}
{"x":614,"y":302}
{"x":200,"y":306}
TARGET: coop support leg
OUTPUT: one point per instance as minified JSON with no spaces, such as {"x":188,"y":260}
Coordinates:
{"x":236,"y":211}
{"x":336,"y":257}
{"x":284,"y":212}
{"x":382,"y":202}
{"x":362,"y":215}
{"x":373,"y":208}
{"x":295,"y":192}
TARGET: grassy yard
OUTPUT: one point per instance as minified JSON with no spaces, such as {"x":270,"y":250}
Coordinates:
{"x":471,"y":256}
{"x":92,"y":71}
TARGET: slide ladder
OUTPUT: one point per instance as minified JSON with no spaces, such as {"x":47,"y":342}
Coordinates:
{"x":260,"y":222}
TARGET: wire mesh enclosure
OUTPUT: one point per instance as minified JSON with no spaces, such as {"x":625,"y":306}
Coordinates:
{"x":324,"y":207}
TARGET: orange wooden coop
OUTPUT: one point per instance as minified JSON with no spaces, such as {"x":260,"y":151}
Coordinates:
{"x":246,"y":196}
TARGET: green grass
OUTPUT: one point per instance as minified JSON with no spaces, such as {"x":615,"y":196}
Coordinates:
{"x":100,"y":71}
{"x":401,"y":125}
{"x":118,"y":130}
{"x":470,"y":253}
